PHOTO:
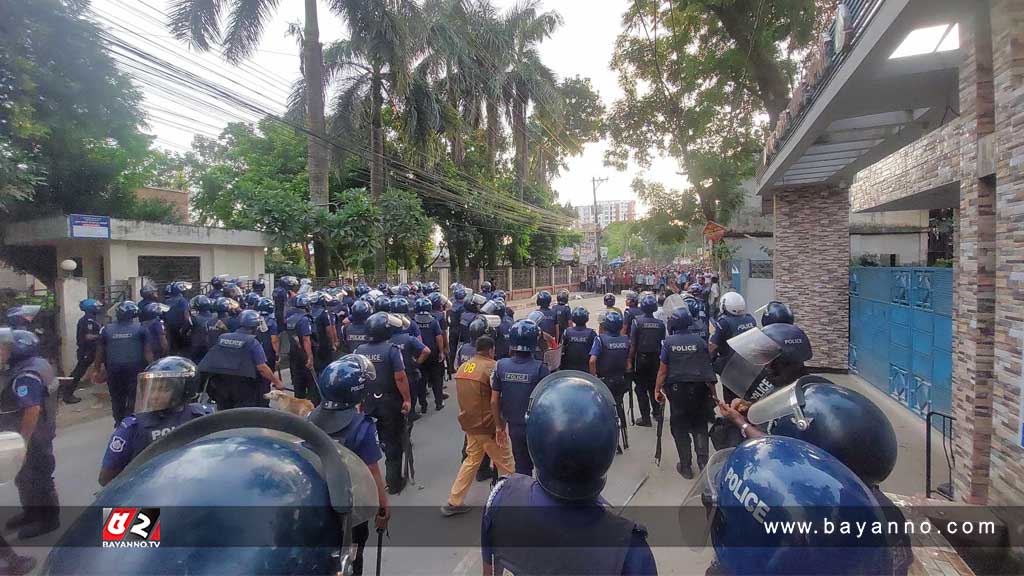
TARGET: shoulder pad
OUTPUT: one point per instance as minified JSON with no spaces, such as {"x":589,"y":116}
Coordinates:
{"x":129,"y":421}
{"x":200,"y":409}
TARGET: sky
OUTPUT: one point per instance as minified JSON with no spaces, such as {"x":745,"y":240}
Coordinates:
{"x":582,"y":46}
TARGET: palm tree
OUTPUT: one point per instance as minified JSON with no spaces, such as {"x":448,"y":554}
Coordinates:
{"x":527,"y":78}
{"x":197,"y":22}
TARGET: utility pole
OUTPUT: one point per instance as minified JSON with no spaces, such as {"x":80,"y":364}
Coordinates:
{"x":595,"y":182}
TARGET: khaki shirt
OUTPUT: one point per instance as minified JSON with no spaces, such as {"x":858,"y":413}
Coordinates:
{"x":473,"y":381}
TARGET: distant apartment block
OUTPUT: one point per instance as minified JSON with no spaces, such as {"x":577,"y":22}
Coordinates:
{"x":608,"y":211}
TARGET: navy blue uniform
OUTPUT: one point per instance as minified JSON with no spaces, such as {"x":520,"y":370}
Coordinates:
{"x":525,"y":530}
{"x":266,"y":338}
{"x":138,"y":431}
{"x":501,"y":342}
{"x":354,"y":334}
{"x":628,"y":315}
{"x":384,"y":403}
{"x":28,"y":387}
{"x":280,"y":297}
{"x":155,"y":334}
{"x":454,"y":324}
{"x":178,"y":323}
{"x":576,"y":345}
{"x":411,"y":348}
{"x":563,"y":315}
{"x":610,"y":354}
{"x":726,"y":327}
{"x":432,"y":370}
{"x":231,"y":364}
{"x":323,"y":324}
{"x":686,"y":387}
{"x":88,"y":326}
{"x":299,"y":326}
{"x":549,"y":322}
{"x":199,"y":340}
{"x":124,"y":345}
{"x":645,"y":338}
{"x":514,"y":379}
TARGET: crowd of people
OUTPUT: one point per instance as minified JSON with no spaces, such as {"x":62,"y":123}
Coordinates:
{"x":639,"y":278}
{"x":542,"y":402}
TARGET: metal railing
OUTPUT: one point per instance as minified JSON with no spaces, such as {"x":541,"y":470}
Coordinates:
{"x":946,"y":427}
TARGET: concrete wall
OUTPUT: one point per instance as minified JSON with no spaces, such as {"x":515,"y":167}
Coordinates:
{"x":9,"y":279}
{"x":910,"y":249}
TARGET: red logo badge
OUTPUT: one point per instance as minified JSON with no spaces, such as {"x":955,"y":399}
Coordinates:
{"x":131,"y":525}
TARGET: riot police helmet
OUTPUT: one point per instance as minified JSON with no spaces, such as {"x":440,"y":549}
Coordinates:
{"x":777,"y":313}
{"x":250,"y":320}
{"x":90,"y":306}
{"x":383,"y":287}
{"x":360,"y":311}
{"x":477,"y":328}
{"x":361,"y":288}
{"x":435,"y":299}
{"x":423,"y":304}
{"x":291,"y":283}
{"x":23,"y":315}
{"x":612,"y":323}
{"x":580,"y":316}
{"x":459,"y":293}
{"x":18,"y":345}
{"x":403,"y":290}
{"x":490,"y":307}
{"x":571,"y":433}
{"x":167,"y":384}
{"x":563,"y":296}
{"x":342,"y":386}
{"x":473,"y":302}
{"x":733,"y":303}
{"x":152,"y":311}
{"x":232,"y":291}
{"x":695,"y":289}
{"x":523,"y":336}
{"x":679,"y":321}
{"x":258,"y":286}
{"x":251,"y":300}
{"x":222,"y":305}
{"x":765,"y":359}
{"x":201,"y":303}
{"x":544,"y":299}
{"x":302,"y":301}
{"x":265,"y":306}
{"x":486,"y":287}
{"x":499,"y":294}
{"x":148,"y":292}
{"x":382,"y":304}
{"x":381,"y":325}
{"x":609,"y":300}
{"x":648,"y":304}
{"x":632,"y":298}
{"x":217,"y":282}
{"x":498,"y":308}
{"x":399,"y":305}
{"x":126,"y":311}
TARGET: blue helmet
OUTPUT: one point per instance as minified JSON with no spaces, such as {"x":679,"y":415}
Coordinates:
{"x":399,"y":305}
{"x":436,"y":300}
{"x":844,"y":423}
{"x":152,"y":311}
{"x":90,"y":306}
{"x":680,"y":320}
{"x":383,"y":287}
{"x":166,"y":384}
{"x":175,"y":288}
{"x":148,"y":292}
{"x":609,"y":300}
{"x":360,"y":311}
{"x":632,"y":298}
{"x":563,"y":296}
{"x":612,"y":323}
{"x":794,"y":344}
{"x":459,"y":294}
{"x":403,"y":290}
{"x":258,"y":286}
{"x":776,"y":479}
{"x":342,"y":385}
{"x":544,"y":299}
{"x":251,"y":300}
{"x":648,"y":304}
{"x":486,"y":287}
{"x":126,"y":311}
{"x":265,"y":306}
{"x":473,"y":302}
{"x":571,"y":433}
{"x":379,"y":327}
{"x":217,"y":282}
{"x":361,"y":288}
{"x":523,"y":336}
{"x":204,"y":513}
{"x":222,"y":305}
{"x":22,"y":316}
{"x":499,"y":294}
{"x":382,"y":304}
{"x":290,"y":282}
{"x":201,"y":303}
{"x":497,"y":307}
{"x":22,"y":344}
{"x":580,"y":316}
{"x":423,"y":305}
{"x":231,"y":290}
{"x":777,"y":313}
{"x":302,"y":301}
{"x":249,"y":320}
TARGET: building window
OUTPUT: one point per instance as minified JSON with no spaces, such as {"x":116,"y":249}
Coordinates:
{"x":761,"y":269}
{"x":164,"y":269}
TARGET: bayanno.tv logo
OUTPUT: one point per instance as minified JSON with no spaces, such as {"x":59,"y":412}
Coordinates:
{"x":131,"y":527}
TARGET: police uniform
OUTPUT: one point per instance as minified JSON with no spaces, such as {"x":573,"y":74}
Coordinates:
{"x":28,"y":387}
{"x":563,"y":316}
{"x":611,"y":353}
{"x":199,"y":339}
{"x":701,"y":323}
{"x":280,"y":297}
{"x":514,"y":379}
{"x":124,"y":346}
{"x":155,"y":334}
{"x":549,"y":322}
{"x":266,"y":339}
{"x":630,"y":313}
{"x":465,"y":319}
{"x":466,"y":351}
{"x":454,"y":325}
{"x":590,"y":537}
{"x":354,"y":334}
{"x":138,"y":431}
{"x":384,"y":404}
{"x":726,"y":327}
{"x":686,"y":387}
{"x":432,"y":370}
{"x":501,"y":343}
{"x":323,"y":322}
{"x":646,"y":337}
{"x":298,"y":325}
{"x":411,"y":348}
{"x":88,"y":325}
{"x":576,"y":344}
{"x":177,"y":322}
{"x":232,"y":363}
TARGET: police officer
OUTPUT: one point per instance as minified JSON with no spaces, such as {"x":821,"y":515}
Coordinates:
{"x":512,"y":383}
{"x":203,"y":322}
{"x":300,"y":348}
{"x":21,"y":317}
{"x":577,"y":342}
{"x":732,"y":322}
{"x":381,"y":304}
{"x":323,"y":330}
{"x":476,"y":329}
{"x":433,"y":368}
{"x":250,"y":300}
{"x":644,"y":347}
{"x":559,"y":523}
{"x":777,"y":313}
{"x":87,"y":336}
{"x":237,"y":367}
{"x":177,"y":318}
{"x":487,"y":289}
{"x":701,"y":324}
{"x":216,"y":287}
{"x":280,"y":295}
{"x":149,"y":294}
{"x":342,"y":386}
{"x":388,"y":399}
{"x":686,"y":378}
{"x":414,"y":354}
{"x":454,"y":324}
{"x":548,"y":324}
{"x":258,"y":286}
{"x":632,"y":310}
{"x":227,"y":314}
{"x":403,"y":309}
{"x":563,"y":313}
{"x":164,"y":401}
{"x":609,"y":303}
{"x":150,"y":316}
{"x":355,"y":333}
{"x":27,"y":408}
{"x":471,"y":308}
{"x":501,"y":333}
{"x":608,"y":357}
{"x":268,"y":332}
{"x":124,"y":351}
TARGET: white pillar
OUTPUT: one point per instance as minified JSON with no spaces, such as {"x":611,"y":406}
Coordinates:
{"x":403,"y":276}
{"x":136,"y":283}
{"x":70,"y":291}
{"x":443,"y":279}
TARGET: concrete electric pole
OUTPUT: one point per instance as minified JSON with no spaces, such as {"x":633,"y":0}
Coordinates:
{"x":595,"y":182}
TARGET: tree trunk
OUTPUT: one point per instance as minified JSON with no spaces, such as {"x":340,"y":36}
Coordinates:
{"x":456,"y":137}
{"x":519,"y":136}
{"x":377,"y":156}
{"x":318,"y":162}
{"x":493,"y":133}
{"x":540,"y":170}
{"x":490,"y":251}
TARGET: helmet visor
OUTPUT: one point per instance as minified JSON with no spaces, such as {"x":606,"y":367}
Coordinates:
{"x":755,"y":347}
{"x":746,"y":366}
{"x":674,"y":301}
{"x":781,"y":403}
{"x":6,"y":335}
{"x":184,"y":286}
{"x":161,"y":390}
{"x":365,"y":502}
{"x":492,"y":320}
{"x":701,"y":503}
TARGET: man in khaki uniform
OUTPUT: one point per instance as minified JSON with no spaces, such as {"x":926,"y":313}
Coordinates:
{"x":473,"y":381}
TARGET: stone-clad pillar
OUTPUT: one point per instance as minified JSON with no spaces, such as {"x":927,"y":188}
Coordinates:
{"x":975,"y":294}
{"x":811,"y":264}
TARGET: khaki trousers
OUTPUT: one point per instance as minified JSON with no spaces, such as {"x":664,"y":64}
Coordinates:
{"x":476,"y":446}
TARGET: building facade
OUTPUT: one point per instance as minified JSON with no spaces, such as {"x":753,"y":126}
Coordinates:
{"x":608,"y":211}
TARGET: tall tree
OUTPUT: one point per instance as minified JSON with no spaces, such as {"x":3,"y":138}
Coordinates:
{"x":198,"y":22}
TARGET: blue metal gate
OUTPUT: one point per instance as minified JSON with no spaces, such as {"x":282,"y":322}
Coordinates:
{"x":901,"y":334}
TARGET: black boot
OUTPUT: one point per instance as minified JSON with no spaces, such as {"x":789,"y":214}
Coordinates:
{"x":644,"y":421}
{"x":38,"y":528}
{"x":684,"y":471}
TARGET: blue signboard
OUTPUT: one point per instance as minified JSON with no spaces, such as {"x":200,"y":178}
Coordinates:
{"x":84,"y":226}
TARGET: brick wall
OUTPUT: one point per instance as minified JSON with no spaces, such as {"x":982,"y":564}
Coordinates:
{"x":176,"y":198}
{"x":812,"y":267}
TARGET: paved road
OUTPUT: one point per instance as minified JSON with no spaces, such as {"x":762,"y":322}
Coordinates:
{"x":438,"y":442}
